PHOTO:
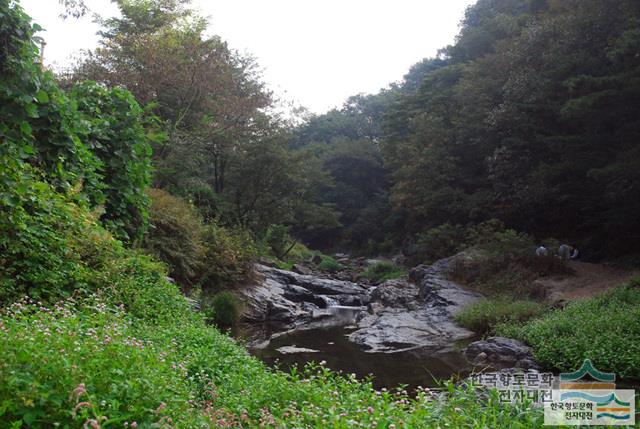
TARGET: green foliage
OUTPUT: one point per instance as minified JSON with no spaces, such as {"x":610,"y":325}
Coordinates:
{"x":485,"y":315}
{"x":211,"y":256}
{"x":90,"y":142}
{"x":225,"y":309}
{"x":37,"y":259}
{"x":605,"y":329}
{"x":383,"y":271}
{"x":175,"y":235}
{"x":228,"y":256}
{"x":329,"y":264}
{"x":440,"y":242}
{"x":499,"y":261}
{"x":346,"y":144}
{"x":545,"y":145}
{"x":279,"y":241}
{"x":80,"y":362}
{"x":116,"y":136}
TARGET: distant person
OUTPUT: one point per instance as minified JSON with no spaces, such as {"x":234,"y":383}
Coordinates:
{"x":542,"y":251}
{"x":567,"y":252}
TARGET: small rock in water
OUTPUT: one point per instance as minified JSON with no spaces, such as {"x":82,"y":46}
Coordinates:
{"x":286,"y":350}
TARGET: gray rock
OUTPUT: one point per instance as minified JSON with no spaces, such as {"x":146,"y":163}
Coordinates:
{"x":316,"y":259}
{"x":301,"y":269}
{"x":285,"y":350}
{"x":404,"y":315}
{"x":500,"y":353}
{"x":288,"y":298}
{"x":397,"y":315}
{"x":193,"y":304}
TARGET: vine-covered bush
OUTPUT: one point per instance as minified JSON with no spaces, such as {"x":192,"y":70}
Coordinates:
{"x":89,"y":143}
{"x":116,"y":136}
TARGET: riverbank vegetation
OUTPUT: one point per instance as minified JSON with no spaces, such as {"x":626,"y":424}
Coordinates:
{"x":120,"y":173}
{"x":604,"y":329}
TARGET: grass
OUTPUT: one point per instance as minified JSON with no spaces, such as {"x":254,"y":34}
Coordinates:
{"x":329,"y":265}
{"x":89,"y":362}
{"x":383,"y":271}
{"x":483,"y":316}
{"x":125,"y":350}
{"x":605,"y":329}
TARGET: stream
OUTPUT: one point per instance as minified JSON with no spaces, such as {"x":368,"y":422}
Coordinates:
{"x":400,"y":332}
{"x":417,"y":367}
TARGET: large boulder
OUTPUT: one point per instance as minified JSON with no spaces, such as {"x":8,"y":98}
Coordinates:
{"x":406,"y":314}
{"x":500,"y":353}
{"x":286,"y":297}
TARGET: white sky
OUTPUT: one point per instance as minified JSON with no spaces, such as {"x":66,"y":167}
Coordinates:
{"x":313,"y":52}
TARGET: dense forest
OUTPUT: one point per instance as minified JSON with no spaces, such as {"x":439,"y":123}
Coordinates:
{"x":530,"y":117}
{"x":161,"y":156}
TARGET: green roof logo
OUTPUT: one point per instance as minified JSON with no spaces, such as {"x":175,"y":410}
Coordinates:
{"x":588,"y":368}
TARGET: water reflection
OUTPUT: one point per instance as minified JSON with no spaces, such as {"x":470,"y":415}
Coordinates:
{"x":422,"y":366}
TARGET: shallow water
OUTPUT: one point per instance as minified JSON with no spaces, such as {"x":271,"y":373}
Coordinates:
{"x":418,"y":367}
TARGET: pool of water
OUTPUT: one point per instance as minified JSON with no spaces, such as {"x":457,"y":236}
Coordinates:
{"x":418,"y":367}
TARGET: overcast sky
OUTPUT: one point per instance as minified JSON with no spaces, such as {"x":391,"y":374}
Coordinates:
{"x":313,"y":52}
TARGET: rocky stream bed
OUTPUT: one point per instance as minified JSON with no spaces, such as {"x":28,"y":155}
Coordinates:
{"x":401,"y":331}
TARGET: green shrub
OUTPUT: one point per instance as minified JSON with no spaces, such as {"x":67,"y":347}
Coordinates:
{"x":383,"y":271}
{"x":278,"y":241}
{"x":116,"y":136}
{"x":503,"y":262}
{"x":211,"y":256}
{"x":483,"y":316}
{"x":330,"y":265}
{"x":89,"y":143}
{"x":300,"y":253}
{"x":175,"y":235}
{"x":228,"y":256}
{"x":605,"y":329}
{"x":440,"y":242}
{"x":226,"y":309}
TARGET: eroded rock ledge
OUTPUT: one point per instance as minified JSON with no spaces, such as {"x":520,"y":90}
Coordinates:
{"x":398,"y":315}
{"x":414,"y":313}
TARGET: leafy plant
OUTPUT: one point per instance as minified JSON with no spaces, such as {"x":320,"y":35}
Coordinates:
{"x":441,"y":242}
{"x":228,"y":256}
{"x":279,"y":241}
{"x":485,"y":315}
{"x":329,"y":264}
{"x":383,"y":271}
{"x":605,"y":329}
{"x":175,"y":236}
{"x":226,"y":309}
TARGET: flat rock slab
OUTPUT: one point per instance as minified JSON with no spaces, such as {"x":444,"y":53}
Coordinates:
{"x":286,"y":350}
{"x":404,"y":315}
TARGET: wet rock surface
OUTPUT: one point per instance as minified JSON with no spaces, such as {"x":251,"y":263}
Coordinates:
{"x":397,"y":315}
{"x":293,"y":299}
{"x":371,"y":328}
{"x":414,"y":313}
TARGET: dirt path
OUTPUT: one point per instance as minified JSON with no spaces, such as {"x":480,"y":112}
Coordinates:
{"x":589,"y":280}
